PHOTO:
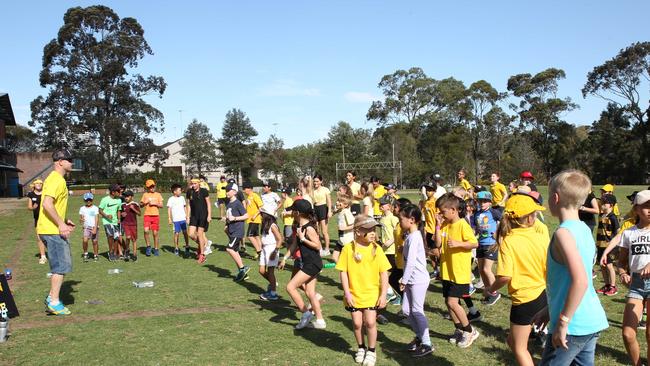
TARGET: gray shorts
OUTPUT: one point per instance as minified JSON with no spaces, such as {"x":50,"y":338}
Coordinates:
{"x":112,"y":231}
{"x":88,"y":233}
{"x":639,"y":288}
{"x":58,"y":253}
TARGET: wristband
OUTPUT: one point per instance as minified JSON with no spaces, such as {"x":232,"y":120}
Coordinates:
{"x":564,"y":318}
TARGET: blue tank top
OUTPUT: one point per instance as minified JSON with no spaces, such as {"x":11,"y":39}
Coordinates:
{"x":589,"y":317}
{"x":485,"y":224}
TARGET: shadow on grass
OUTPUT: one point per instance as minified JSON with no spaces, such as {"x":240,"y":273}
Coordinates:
{"x":326,"y":339}
{"x":620,"y":356}
{"x":221,"y":272}
{"x":504,"y":356}
{"x":67,"y":289}
{"x":284,"y":313}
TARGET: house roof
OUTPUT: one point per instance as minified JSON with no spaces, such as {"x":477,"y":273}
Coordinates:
{"x":6,"y":113}
{"x":170,"y":143}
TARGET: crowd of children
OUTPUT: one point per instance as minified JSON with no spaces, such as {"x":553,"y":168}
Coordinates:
{"x":386,"y":245}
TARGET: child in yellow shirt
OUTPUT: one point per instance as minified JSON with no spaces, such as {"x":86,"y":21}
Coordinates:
{"x":364,"y":277}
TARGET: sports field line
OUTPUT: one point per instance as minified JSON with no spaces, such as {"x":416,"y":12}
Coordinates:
{"x":51,"y":321}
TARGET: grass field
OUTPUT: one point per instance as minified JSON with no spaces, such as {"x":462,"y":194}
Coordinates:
{"x":196,"y":314}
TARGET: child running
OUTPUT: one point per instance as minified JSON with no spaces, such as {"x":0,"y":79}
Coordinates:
{"x":634,"y":269}
{"x":235,"y":216}
{"x":575,"y":314}
{"x":485,"y":221}
{"x":89,"y":215}
{"x":521,"y":266}
{"x":415,"y":281}
{"x":364,"y":278}
{"x":177,"y":218}
{"x":271,"y":244}
{"x":130,"y":213}
{"x":309,"y":246}
{"x":455,"y":239}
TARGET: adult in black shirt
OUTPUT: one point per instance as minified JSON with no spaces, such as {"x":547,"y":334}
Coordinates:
{"x":199,"y":217}
{"x":34,"y":205}
{"x":588,"y":210}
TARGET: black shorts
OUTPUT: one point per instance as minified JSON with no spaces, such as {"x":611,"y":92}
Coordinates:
{"x":234,"y":243}
{"x":355,"y":208}
{"x":611,"y":257}
{"x":222,"y":201}
{"x":430,"y":240}
{"x":391,"y":260}
{"x":452,"y":289}
{"x":523,"y":314}
{"x":311,"y":269}
{"x":353,"y":309}
{"x":201,"y":222}
{"x":487,"y":252}
{"x":338,"y":247}
{"x":321,"y":212}
{"x":253,"y":230}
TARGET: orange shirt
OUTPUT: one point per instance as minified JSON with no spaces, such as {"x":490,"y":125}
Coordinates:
{"x":154,"y":197}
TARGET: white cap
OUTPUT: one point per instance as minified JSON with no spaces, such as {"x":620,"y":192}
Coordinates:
{"x":642,"y":197}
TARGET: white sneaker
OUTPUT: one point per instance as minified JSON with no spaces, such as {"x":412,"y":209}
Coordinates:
{"x":468,"y":338}
{"x":360,"y":355}
{"x":371,"y":358}
{"x":304,"y":319}
{"x":208,"y":248}
{"x":458,"y":335}
{"x":42,"y":260}
{"x":318,"y":324}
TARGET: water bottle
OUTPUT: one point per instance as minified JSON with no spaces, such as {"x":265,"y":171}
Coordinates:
{"x":8,"y":273}
{"x":143,"y":284}
{"x":329,"y":265}
{"x":4,"y":329}
{"x":115,"y":271}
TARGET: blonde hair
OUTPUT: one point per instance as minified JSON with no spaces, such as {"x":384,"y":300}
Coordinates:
{"x":344,"y":199}
{"x":507,"y":223}
{"x":573,"y":187}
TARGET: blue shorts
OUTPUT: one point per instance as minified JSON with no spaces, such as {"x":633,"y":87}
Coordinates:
{"x":639,"y":288}
{"x":58,"y":253}
{"x":180,"y":226}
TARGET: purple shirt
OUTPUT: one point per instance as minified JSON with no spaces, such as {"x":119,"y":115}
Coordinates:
{"x":415,"y":260}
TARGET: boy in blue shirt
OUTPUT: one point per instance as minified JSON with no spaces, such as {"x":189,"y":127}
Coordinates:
{"x":236,"y":215}
{"x":485,"y":220}
{"x":575,"y":315}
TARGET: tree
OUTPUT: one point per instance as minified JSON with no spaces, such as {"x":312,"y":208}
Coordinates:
{"x":355,"y":141}
{"x":92,"y":98}
{"x":21,"y":139}
{"x":619,"y":81}
{"x":236,"y":144}
{"x":540,"y":112}
{"x":199,"y":148}
{"x":406,"y":151}
{"x":499,"y":131}
{"x":301,"y":160}
{"x":273,"y":156}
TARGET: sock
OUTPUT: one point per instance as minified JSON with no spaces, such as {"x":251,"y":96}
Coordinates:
{"x":362,"y":346}
{"x":467,"y":328}
{"x":458,"y":326}
{"x":371,"y":349}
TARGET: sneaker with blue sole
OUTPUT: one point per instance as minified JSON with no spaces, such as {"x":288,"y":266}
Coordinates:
{"x":58,"y":309}
{"x":270,"y":296}
{"x":242,"y":274}
{"x":156,"y":252}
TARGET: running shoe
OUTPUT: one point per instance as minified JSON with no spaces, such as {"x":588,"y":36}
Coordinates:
{"x":476,"y":317}
{"x":58,"y":309}
{"x":242,"y":274}
{"x":456,"y":337}
{"x":269,"y":296}
{"x":360,"y":355}
{"x":134,"y":258}
{"x":156,"y":252}
{"x":208,"y":248}
{"x":42,"y":260}
{"x":390,"y":297}
{"x":304,"y":319}
{"x":479,"y":284}
{"x":603,"y":289}
{"x":611,"y":291}
{"x":396,"y":301}
{"x":468,"y":338}
{"x":642,"y":324}
{"x":423,"y":350}
{"x":382,"y":319}
{"x":148,"y":252}
{"x":96,"y":257}
{"x":491,"y":299}
{"x":85,"y":257}
{"x":472,"y":289}
{"x":318,"y":324}
{"x":176,"y":252}
{"x":414,"y":345}
{"x":371,"y":359}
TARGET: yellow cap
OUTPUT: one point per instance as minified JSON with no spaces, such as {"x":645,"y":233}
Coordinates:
{"x":521,"y":204}
{"x":608,"y":188}
{"x":37,"y":181}
{"x":149,"y":183}
{"x":195,"y":180}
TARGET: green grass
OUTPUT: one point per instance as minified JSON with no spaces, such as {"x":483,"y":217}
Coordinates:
{"x":196,"y":314}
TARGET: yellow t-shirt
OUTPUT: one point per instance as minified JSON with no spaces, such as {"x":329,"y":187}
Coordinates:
{"x":388,"y":223}
{"x":155,"y":198}
{"x":399,"y":246}
{"x":221,"y":191}
{"x":430,"y":215}
{"x":253,"y":205}
{"x":320,"y":196}
{"x":378,"y":193}
{"x":204,"y":184}
{"x":355,"y":188}
{"x":627,"y":223}
{"x":522,"y":257}
{"x":54,"y":186}
{"x":465,"y":184}
{"x":287,"y":219}
{"x":456,"y":263}
{"x":498,"y":191}
{"x":363,"y":276}
{"x":541,"y":228}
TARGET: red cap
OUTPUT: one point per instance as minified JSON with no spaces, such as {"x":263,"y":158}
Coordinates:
{"x":526,"y":174}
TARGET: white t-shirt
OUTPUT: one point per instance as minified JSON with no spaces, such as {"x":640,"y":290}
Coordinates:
{"x":637,"y":242}
{"x":271,"y":201}
{"x":440,"y":191}
{"x":346,"y":219}
{"x":177,"y":204}
{"x":89,"y":214}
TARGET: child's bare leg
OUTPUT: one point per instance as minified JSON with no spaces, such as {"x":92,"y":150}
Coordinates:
{"x":357,"y":326}
{"x":456,"y":311}
{"x":270,"y":276}
{"x":611,"y":274}
{"x":156,"y":239}
{"x":310,"y":290}
{"x":631,"y":317}
{"x":84,"y":245}
{"x":96,"y":247}
{"x":235,"y":256}
{"x":518,"y":342}
{"x":185,"y":237}
{"x":146,"y":237}
{"x":370,"y":323}
{"x":292,"y":288}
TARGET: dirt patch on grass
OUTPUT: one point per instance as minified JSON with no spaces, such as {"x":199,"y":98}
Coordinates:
{"x":9,"y":205}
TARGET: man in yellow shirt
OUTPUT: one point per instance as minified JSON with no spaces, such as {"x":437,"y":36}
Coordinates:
{"x":54,"y":229}
{"x":464,"y":183}
{"x":378,"y":192}
{"x":221,"y":197}
{"x":499,"y":192}
{"x":253,"y":203}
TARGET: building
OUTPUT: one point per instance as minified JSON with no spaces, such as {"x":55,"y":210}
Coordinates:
{"x":8,"y":170}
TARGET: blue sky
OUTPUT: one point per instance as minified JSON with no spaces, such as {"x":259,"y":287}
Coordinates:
{"x":298,"y":67}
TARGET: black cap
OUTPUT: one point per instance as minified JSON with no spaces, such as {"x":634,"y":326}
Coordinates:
{"x":231,"y":187}
{"x":631,"y":196}
{"x":62,"y":154}
{"x":430,"y":186}
{"x":232,"y":180}
{"x":286,"y":190}
{"x":247,"y":185}
{"x":436,"y":177}
{"x":303,"y":206}
{"x":609,"y":198}
{"x":390,"y":186}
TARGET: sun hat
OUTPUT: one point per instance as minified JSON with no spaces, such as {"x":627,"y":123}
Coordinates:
{"x":521,"y":204}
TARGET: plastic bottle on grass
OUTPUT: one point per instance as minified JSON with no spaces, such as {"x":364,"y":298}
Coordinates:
{"x":4,"y":329}
{"x":329,"y":265}
{"x":115,"y":271}
{"x":143,"y":284}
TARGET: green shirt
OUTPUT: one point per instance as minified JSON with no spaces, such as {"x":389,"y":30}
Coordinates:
{"x":110,"y":206}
